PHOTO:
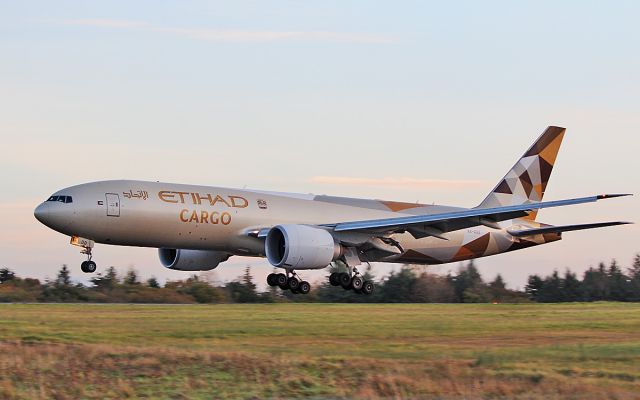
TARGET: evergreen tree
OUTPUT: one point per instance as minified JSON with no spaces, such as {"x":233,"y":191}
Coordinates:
{"x":397,"y":288}
{"x":572,"y":287}
{"x":533,"y":287}
{"x":64,"y":277}
{"x":62,"y":289}
{"x":634,"y":279}
{"x":243,"y":290}
{"x":552,"y":289}
{"x":202,"y":292}
{"x":153,"y":283}
{"x":432,"y":288}
{"x":595,"y":284}
{"x":617,"y":282}
{"x":6,"y":275}
{"x":468,"y":278}
{"x":247,"y":279}
{"x":498,"y":289}
{"x":498,"y":283}
{"x":131,"y":278}
{"x":634,"y":270}
{"x":108,"y":281}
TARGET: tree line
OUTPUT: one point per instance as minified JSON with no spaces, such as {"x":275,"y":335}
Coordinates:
{"x":602,"y":283}
{"x":409,"y":284}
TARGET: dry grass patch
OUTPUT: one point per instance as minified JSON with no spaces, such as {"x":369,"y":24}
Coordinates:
{"x":63,"y":371}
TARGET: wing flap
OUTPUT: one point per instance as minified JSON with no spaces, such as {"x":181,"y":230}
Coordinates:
{"x":564,"y":228}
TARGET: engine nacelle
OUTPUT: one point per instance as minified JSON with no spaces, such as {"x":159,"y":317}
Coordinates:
{"x":191,"y":260}
{"x":300,"y":247}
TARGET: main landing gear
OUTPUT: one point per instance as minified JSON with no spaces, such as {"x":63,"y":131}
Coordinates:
{"x":351,"y":281}
{"x":290,"y":281}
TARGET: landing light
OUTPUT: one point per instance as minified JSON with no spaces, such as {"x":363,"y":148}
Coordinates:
{"x":81,"y":242}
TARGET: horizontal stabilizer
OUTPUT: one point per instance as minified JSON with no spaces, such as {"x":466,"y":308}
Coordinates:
{"x":564,"y":228}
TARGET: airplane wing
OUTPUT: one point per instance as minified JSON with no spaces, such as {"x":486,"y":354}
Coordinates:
{"x":563,"y":228}
{"x":436,"y":224}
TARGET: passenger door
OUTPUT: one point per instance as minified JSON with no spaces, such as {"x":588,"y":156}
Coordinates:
{"x":113,"y":204}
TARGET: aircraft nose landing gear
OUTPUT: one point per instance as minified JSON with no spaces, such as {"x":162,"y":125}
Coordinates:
{"x":87,"y":245}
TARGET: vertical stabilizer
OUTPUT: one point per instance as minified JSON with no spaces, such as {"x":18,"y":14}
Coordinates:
{"x":527,"y":181}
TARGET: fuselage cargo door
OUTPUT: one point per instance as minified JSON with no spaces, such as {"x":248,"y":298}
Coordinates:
{"x":113,"y":204}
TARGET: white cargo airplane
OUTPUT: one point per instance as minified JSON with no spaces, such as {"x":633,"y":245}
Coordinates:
{"x":197,"y":227}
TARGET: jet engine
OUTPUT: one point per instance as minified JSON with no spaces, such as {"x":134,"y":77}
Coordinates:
{"x":300,"y":247}
{"x":191,"y":260}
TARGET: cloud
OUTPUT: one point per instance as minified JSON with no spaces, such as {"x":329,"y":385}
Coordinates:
{"x":230,"y":35}
{"x":106,"y":23}
{"x":270,"y":36}
{"x":398,"y":182}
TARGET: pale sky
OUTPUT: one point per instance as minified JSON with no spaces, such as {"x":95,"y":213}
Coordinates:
{"x":428,"y":101}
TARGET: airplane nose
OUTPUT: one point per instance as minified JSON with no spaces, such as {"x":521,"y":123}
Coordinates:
{"x":56,"y":215}
{"x":41,"y":212}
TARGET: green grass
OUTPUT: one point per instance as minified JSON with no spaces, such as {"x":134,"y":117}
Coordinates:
{"x":320,"y":351}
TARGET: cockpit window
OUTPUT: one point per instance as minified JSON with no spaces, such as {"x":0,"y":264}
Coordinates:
{"x":61,"y":199}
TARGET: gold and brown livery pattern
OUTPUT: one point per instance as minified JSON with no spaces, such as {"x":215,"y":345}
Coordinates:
{"x":462,"y":248}
{"x":527,"y":180}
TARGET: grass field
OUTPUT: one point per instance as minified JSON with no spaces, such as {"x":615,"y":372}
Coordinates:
{"x":524,"y":351}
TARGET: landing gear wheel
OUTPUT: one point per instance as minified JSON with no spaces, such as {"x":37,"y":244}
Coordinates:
{"x":367,"y":287}
{"x":281,"y":281}
{"x":357,"y":283}
{"x":304,"y":287}
{"x":293,"y":283}
{"x":88,"y":266}
{"x":334,"y":279}
{"x":91,"y":266}
{"x":271,"y":279}
{"x":345,"y":281}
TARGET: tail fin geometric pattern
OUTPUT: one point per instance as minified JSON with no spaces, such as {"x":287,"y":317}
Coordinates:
{"x":527,"y":181}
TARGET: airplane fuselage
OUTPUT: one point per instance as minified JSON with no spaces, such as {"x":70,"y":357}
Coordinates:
{"x":164,"y":215}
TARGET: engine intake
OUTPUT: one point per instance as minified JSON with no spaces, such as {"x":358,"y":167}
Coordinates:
{"x":191,"y":260}
{"x":300,"y":247}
